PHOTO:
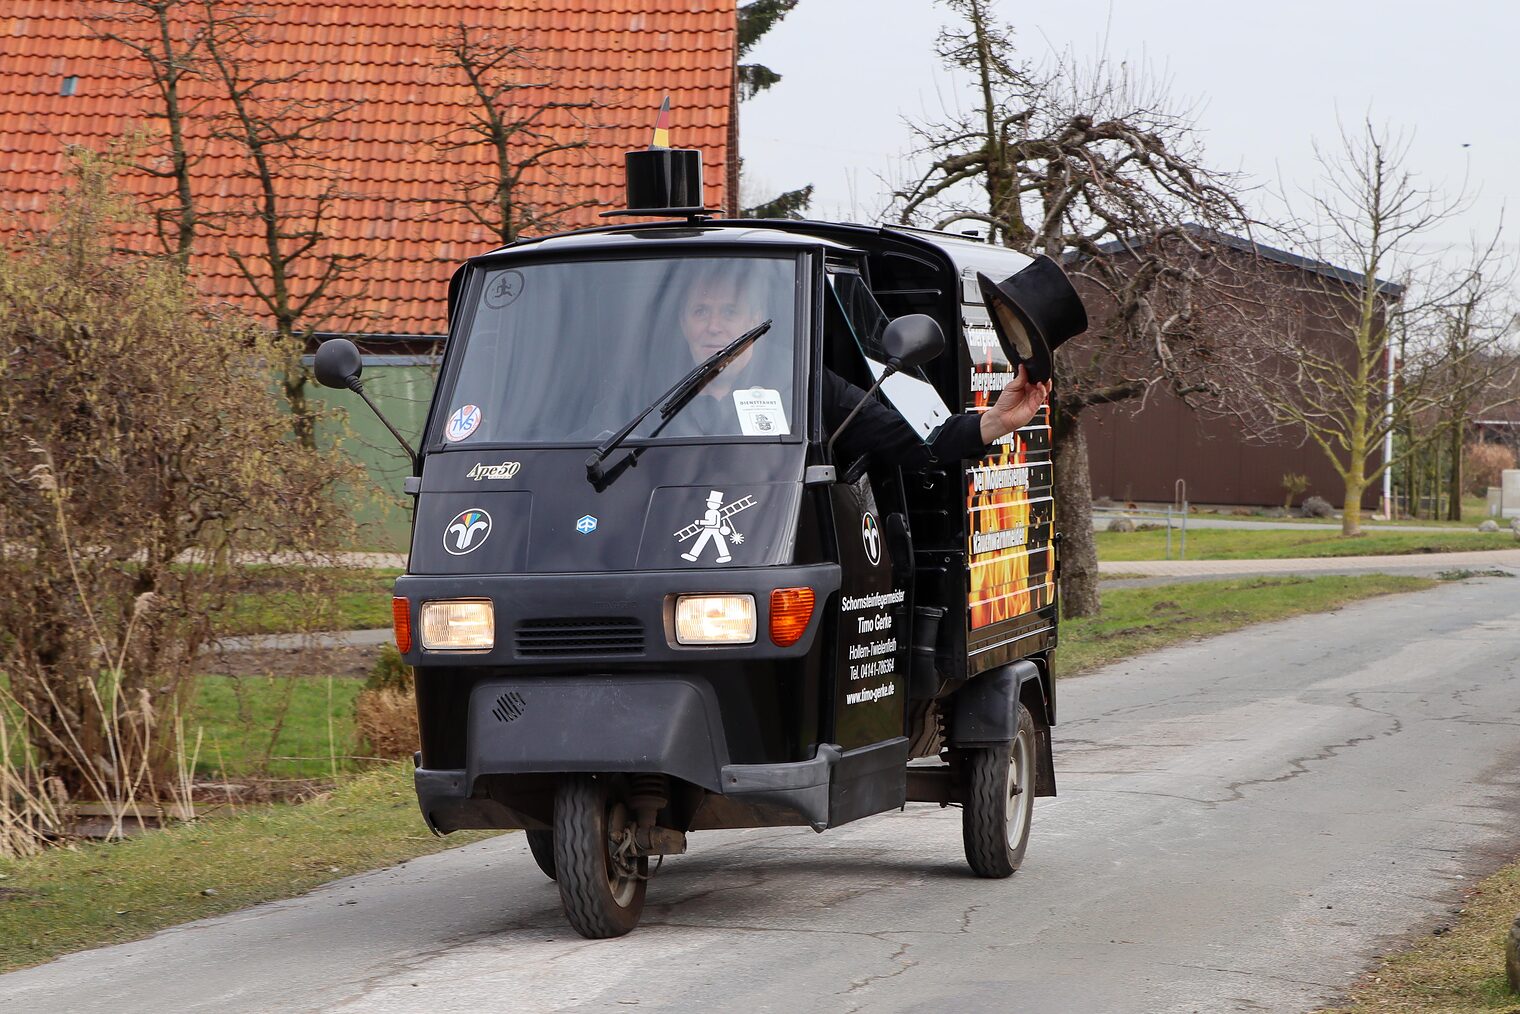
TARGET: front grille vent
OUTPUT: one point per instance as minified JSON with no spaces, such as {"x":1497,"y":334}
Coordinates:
{"x":616,"y":635}
{"x":509,"y":707}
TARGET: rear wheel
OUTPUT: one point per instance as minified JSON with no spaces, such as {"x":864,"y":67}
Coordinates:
{"x":999,"y":802}
{"x":600,"y":886}
{"x":541,"y":844}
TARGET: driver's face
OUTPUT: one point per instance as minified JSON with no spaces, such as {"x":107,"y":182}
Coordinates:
{"x":716,"y":312}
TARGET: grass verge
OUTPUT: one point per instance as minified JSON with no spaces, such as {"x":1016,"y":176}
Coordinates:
{"x":281,"y":727}
{"x":1461,"y":969}
{"x":277,"y":600}
{"x":95,"y":894}
{"x":1232,"y":544}
{"x":1137,"y":620}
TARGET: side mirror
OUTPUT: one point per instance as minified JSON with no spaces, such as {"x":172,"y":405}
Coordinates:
{"x":338,"y":363}
{"x":912,"y":340}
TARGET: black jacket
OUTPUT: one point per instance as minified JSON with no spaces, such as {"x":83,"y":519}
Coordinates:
{"x":887,"y":437}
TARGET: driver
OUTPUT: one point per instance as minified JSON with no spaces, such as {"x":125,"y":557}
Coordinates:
{"x":720,"y":306}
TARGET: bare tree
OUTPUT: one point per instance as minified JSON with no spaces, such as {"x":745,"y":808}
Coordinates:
{"x":1477,"y":373}
{"x":513,"y":99}
{"x":1347,"y":395}
{"x":166,"y":42}
{"x":280,"y":134}
{"x":1090,"y":166}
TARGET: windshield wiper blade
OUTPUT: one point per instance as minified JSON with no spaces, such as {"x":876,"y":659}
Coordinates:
{"x":679,"y":394}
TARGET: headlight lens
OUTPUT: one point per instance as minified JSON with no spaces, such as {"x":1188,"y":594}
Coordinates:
{"x":715,"y":619}
{"x":458,"y":626}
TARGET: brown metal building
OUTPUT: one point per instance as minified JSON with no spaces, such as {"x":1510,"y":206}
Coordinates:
{"x":1138,"y":454}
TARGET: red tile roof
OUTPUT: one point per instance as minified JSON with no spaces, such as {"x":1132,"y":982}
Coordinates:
{"x":624,"y":55}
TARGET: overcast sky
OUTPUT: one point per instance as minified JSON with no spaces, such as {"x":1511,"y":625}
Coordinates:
{"x":1267,"y":79}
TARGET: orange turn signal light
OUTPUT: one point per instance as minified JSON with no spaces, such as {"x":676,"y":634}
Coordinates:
{"x":401,"y":619}
{"x":791,"y":610}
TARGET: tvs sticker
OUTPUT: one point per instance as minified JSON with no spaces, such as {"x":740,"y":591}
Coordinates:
{"x":464,"y":421}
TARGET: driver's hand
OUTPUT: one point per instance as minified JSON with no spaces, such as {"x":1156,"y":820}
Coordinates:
{"x":1015,"y":406}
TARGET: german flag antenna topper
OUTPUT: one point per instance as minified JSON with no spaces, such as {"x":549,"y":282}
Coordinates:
{"x":662,"y":126}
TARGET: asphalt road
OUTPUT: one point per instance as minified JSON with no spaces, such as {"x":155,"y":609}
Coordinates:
{"x":1244,"y":822}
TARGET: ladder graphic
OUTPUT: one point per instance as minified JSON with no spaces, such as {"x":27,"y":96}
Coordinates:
{"x":724,"y":513}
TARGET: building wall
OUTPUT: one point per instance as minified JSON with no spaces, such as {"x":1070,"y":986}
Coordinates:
{"x":402,"y":392}
{"x":1140,"y":456}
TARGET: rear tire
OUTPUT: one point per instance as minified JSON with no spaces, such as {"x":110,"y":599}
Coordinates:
{"x":999,"y":801}
{"x":602,"y":894}
{"x":541,"y":844}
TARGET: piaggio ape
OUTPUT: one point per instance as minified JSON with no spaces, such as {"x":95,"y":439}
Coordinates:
{"x":634,"y":615}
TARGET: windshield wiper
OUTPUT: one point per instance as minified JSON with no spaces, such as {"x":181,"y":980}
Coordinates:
{"x":678,"y":395}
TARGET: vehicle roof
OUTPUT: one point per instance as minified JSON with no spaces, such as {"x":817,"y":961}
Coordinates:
{"x":642,"y":235}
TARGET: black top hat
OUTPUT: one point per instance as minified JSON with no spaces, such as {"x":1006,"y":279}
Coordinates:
{"x":1033,"y":312}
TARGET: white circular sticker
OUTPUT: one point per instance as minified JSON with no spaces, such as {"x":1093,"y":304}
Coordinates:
{"x":467,"y":531}
{"x":463,"y":422}
{"x":870,"y":537}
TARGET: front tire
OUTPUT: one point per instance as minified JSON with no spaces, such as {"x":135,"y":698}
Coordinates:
{"x":602,"y":892}
{"x":541,"y":844}
{"x":999,"y":802}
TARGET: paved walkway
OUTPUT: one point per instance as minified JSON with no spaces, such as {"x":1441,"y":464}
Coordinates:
{"x":1412,"y":563}
{"x":1100,"y":523}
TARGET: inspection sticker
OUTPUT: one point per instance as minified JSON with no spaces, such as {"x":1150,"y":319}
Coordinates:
{"x":761,"y":413}
{"x":463,"y":422}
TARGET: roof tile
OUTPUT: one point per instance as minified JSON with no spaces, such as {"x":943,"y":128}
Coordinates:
{"x":389,"y":155}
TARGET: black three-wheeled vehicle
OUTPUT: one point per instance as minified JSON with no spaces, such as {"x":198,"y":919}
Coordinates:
{"x":643,"y":599}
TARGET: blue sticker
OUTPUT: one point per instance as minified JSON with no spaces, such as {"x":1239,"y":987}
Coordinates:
{"x":586,"y":525}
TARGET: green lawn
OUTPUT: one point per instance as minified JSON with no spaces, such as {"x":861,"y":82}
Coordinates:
{"x":243,"y":734}
{"x":282,"y":599}
{"x":1137,"y":620}
{"x":1253,"y":544}
{"x":67,"y":899}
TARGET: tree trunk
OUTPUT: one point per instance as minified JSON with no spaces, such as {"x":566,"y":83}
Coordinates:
{"x":1073,"y":493}
{"x":303,"y":419}
{"x":1351,"y":512}
{"x":1454,"y":488}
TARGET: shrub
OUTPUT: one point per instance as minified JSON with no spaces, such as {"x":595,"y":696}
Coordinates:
{"x":1293,"y":484}
{"x":386,"y":721}
{"x":1317,"y":507}
{"x":144,"y":459}
{"x":1482,"y":463}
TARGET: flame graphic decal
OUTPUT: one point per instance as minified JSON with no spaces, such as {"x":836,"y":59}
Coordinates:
{"x":1006,"y":550}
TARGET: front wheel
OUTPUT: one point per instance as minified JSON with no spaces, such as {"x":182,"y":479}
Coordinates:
{"x":600,"y":886}
{"x":541,"y":844}
{"x":999,"y":802}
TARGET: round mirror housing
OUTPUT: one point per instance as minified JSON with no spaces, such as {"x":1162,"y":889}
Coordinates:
{"x":338,"y":363}
{"x":912,"y":340}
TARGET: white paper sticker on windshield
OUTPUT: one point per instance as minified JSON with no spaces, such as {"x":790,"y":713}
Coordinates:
{"x":761,"y":413}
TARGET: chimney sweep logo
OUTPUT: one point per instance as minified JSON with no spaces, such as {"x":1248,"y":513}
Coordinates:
{"x":467,"y":532}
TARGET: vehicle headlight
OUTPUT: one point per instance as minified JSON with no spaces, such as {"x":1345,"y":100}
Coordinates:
{"x":458,"y":626}
{"x":715,"y":619}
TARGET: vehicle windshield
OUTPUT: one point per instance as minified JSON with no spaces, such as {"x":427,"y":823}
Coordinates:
{"x":568,"y":352}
